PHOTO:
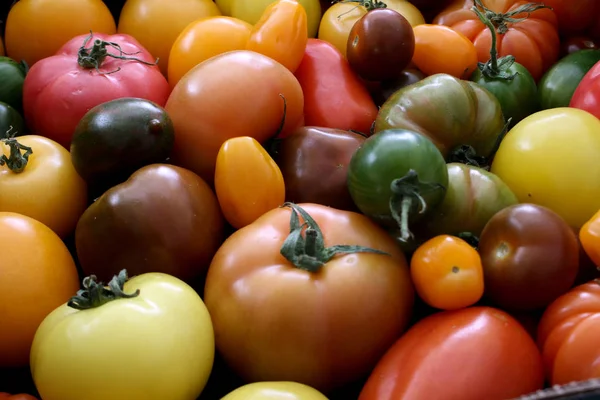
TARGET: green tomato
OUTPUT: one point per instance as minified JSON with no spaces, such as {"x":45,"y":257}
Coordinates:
{"x":11,"y":122}
{"x":12,"y":75}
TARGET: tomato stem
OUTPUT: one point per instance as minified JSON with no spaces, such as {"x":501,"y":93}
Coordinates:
{"x":94,"y":294}
{"x":466,"y":154}
{"x":16,"y":162}
{"x":308,"y":252}
{"x":94,"y":56}
{"x":369,"y":5}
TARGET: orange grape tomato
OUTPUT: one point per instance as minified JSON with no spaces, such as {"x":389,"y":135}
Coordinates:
{"x":248,"y":182}
{"x":281,"y":33}
{"x":447,"y":273}
{"x":440,"y":49}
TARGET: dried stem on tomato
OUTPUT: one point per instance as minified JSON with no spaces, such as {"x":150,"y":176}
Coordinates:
{"x":94,"y":294}
{"x":16,"y":161}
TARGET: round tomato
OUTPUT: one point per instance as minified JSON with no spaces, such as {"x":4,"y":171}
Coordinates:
{"x":550,"y":158}
{"x":11,"y":84}
{"x":238,"y":93}
{"x":157,"y":23}
{"x":37,"y":274}
{"x":36,"y":29}
{"x":587,"y":93}
{"x":43,"y":185}
{"x":469,"y":354}
{"x":151,"y":311}
{"x":8,"y":396}
{"x":275,"y":391}
{"x":203,"y":39}
{"x":83,"y":80}
{"x":310,"y":291}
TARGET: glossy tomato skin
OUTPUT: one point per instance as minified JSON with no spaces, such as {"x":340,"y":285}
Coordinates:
{"x":135,"y":226}
{"x":53,"y":110}
{"x":469,"y":354}
{"x":11,"y":84}
{"x":334,"y":96}
{"x":315,"y":319}
{"x":275,"y":391}
{"x":388,"y":87}
{"x":314,"y":163}
{"x":11,"y":122}
{"x":587,"y":93}
{"x":530,"y":257}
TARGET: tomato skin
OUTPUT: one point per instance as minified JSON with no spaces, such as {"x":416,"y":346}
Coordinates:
{"x":334,"y":96}
{"x":41,"y":263}
{"x":8,"y":396}
{"x":469,"y":354}
{"x":36,"y":29}
{"x":275,"y":391}
{"x":238,"y":81}
{"x":587,"y":93}
{"x":11,"y":84}
{"x":589,"y":236}
{"x":53,"y":110}
{"x":11,"y":122}
{"x":574,"y":17}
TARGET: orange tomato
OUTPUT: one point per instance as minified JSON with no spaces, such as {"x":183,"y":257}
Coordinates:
{"x":203,"y":39}
{"x":281,"y":33}
{"x":439,"y":49}
{"x":37,"y":274}
{"x":36,"y":29}
{"x":157,"y":23}
{"x":447,"y":273}
{"x":589,"y":237}
{"x":248,"y":183}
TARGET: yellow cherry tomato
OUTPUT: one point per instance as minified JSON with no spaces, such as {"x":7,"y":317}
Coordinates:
{"x":203,"y":39}
{"x":281,"y":33}
{"x":47,"y":189}
{"x":275,"y":391}
{"x":551,"y":159}
{"x":339,"y":19}
{"x":157,"y":23}
{"x":36,"y":29}
{"x":248,"y":183}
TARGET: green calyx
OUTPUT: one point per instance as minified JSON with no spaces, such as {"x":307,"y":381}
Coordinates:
{"x":16,"y":161}
{"x":94,"y":294}
{"x":308,"y":251}
{"x":369,"y":5}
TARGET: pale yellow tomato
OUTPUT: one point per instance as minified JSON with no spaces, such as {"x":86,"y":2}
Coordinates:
{"x":275,"y":391}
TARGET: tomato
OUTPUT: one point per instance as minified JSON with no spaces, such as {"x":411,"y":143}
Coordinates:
{"x":43,"y":185}
{"x":334,"y":96}
{"x":388,"y":87}
{"x":567,"y":335}
{"x":439,"y":49}
{"x":53,"y":110}
{"x":308,"y":298}
{"x":589,"y":235}
{"x":203,"y":39}
{"x":557,"y":86}
{"x":156,"y":23}
{"x":396,"y":177}
{"x":574,"y":17}
{"x":567,"y":136}
{"x":338,"y":20}
{"x":37,"y":274}
{"x":587,"y":93}
{"x":164,"y":311}
{"x":281,"y":33}
{"x":37,"y":29}
{"x":8,"y":396}
{"x":238,"y":93}
{"x":11,"y":122}
{"x":533,"y":41}
{"x":12,"y":75}
{"x":465,"y":113}
{"x":275,"y":391}
{"x":469,"y":354}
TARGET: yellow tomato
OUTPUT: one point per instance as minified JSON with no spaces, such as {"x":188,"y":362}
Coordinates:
{"x":251,"y":11}
{"x":551,"y":159}
{"x":48,"y":189}
{"x":157,"y":23}
{"x":275,"y":391}
{"x":248,"y":183}
{"x":339,"y":19}
{"x":203,"y":39}
{"x":36,"y":29}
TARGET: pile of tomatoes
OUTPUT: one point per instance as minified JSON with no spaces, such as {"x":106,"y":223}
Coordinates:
{"x":238,"y":199}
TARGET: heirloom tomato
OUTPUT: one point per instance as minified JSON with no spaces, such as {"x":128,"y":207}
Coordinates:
{"x":587,"y":93}
{"x":37,"y":274}
{"x":37,"y":29}
{"x":155,"y":324}
{"x":59,"y":90}
{"x":389,"y":87}
{"x":469,"y":354}
{"x":239,"y":93}
{"x":22,"y":396}
{"x":571,"y":139}
{"x":275,"y":391}
{"x":11,"y":122}
{"x":310,"y":291}
{"x":157,"y":23}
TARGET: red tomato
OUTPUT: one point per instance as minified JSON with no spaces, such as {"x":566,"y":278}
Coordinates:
{"x":587,"y":94}
{"x":59,"y":90}
{"x":469,"y":354}
{"x":22,"y":396}
{"x":334,"y":96}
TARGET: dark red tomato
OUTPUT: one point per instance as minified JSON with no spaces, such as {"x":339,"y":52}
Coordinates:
{"x":587,"y":94}
{"x":59,"y":90}
{"x":334,"y":96}
{"x":530,"y":256}
{"x":380,"y":45}
{"x":576,"y":43}
{"x":22,"y":396}
{"x":469,"y":354}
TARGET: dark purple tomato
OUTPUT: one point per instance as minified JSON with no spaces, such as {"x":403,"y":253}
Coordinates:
{"x":380,"y":45}
{"x":388,"y":87}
